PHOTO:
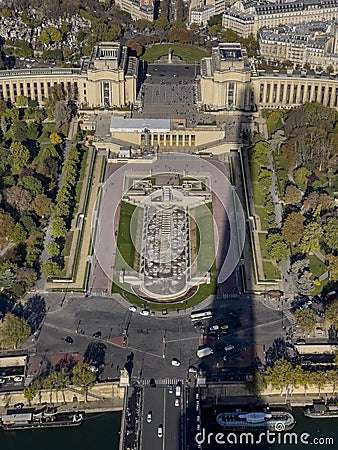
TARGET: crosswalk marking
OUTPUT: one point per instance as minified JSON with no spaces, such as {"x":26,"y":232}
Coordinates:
{"x":164,"y":381}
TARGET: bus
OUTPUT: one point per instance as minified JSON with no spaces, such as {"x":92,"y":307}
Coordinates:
{"x":201,"y":315}
{"x":202,"y":352}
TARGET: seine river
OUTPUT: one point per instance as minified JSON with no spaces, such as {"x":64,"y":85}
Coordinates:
{"x":101,"y":432}
{"x":97,"y":432}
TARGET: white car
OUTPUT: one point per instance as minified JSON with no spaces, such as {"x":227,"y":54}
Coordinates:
{"x":160,"y":431}
{"x":145,"y":312}
{"x":177,"y":402}
{"x":132,"y":308}
{"x":2,"y":381}
{"x":17,"y":379}
{"x":229,"y":347}
{"x":149,"y":417}
{"x":175,"y":362}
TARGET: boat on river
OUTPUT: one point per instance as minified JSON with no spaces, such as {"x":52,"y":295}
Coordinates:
{"x":35,"y":420}
{"x":256,"y":421}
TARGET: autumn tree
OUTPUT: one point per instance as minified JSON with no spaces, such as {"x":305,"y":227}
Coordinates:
{"x":14,"y":331}
{"x":42,"y":205}
{"x":292,"y":195}
{"x":293,"y":228}
{"x":19,"y":198}
{"x":6,"y":224}
{"x":306,"y":320}
{"x":280,"y":374}
{"x":55,"y":138}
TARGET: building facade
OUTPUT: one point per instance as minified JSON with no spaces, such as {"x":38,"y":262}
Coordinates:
{"x":228,"y":83}
{"x":108,"y":78}
{"x":138,"y":9}
{"x":202,"y":15}
{"x":248,"y":17}
{"x":311,"y":44}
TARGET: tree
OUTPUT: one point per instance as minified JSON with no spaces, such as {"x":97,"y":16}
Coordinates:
{"x":62,"y":112}
{"x":62,"y":382}
{"x":332,"y":266}
{"x":14,"y":331}
{"x":51,"y":269}
{"x":53,"y":249}
{"x":21,"y":101}
{"x":274,"y":121}
{"x":298,"y":377}
{"x":331,"y":233}
{"x":332,"y":378}
{"x":55,"y":138}
{"x":306,"y":320}
{"x":19,"y":198}
{"x":312,"y":236}
{"x":301,"y":177}
{"x":18,"y":156}
{"x":331,"y":314}
{"x":31,"y":184}
{"x":42,"y":205}
{"x":7,"y":279}
{"x":292,"y":195}
{"x":18,"y":234}
{"x":26,"y":276}
{"x":277,"y":247}
{"x":29,"y":393}
{"x":6,"y":224}
{"x":84,"y":378}
{"x":48,"y":384}
{"x":318,"y":379}
{"x":293,"y":228}
{"x":280,"y":375}
{"x":59,"y":228}
{"x":260,"y":153}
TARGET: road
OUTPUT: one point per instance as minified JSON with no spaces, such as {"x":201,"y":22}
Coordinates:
{"x":161,"y":403}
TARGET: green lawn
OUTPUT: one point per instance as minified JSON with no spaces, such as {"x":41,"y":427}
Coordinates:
{"x":270,"y":271}
{"x":254,"y":171}
{"x":48,"y":128}
{"x":258,"y":194}
{"x":261,"y":212}
{"x":205,"y":237}
{"x":317,"y":267}
{"x":188,"y":53}
{"x":124,"y":237}
{"x":203,"y":292}
{"x":262,"y":243}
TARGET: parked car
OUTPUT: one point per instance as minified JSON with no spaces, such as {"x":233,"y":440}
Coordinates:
{"x":300,"y":341}
{"x":69,"y":340}
{"x":2,"y":380}
{"x":17,"y":379}
{"x":145,"y":312}
{"x":170,"y":388}
{"x":97,"y":334}
{"x":192,"y":369}
{"x":175,"y":362}
{"x":132,"y":308}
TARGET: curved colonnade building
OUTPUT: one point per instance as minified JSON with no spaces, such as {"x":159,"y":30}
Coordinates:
{"x":228,"y":82}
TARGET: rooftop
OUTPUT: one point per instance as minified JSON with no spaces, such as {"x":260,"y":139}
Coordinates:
{"x":122,"y":124}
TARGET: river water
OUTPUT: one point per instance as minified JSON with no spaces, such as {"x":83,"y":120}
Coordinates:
{"x":101,"y":432}
{"x":97,"y":432}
